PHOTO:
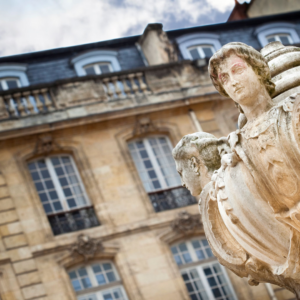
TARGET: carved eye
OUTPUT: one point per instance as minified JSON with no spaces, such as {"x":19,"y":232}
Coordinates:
{"x":224,"y":78}
{"x":238,"y":70}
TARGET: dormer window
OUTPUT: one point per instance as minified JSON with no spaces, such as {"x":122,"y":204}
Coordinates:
{"x":96,"y":62}
{"x":98,"y":68}
{"x":282,"y":32}
{"x":201,"y":51}
{"x":8,"y":83}
{"x":198,"y":46}
{"x":285,"y":39}
{"x":13,"y":76}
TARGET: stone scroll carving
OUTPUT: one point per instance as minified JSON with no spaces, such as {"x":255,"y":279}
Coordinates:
{"x":186,"y":223}
{"x":86,"y":246}
{"x":249,"y":181}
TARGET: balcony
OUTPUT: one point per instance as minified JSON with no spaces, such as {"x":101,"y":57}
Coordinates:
{"x":171,"y":199}
{"x":104,"y":95}
{"x":74,"y":220}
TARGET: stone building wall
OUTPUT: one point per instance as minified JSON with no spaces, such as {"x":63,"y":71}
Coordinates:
{"x":34,"y":263}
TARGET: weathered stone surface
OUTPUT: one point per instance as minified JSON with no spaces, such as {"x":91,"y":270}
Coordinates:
{"x":8,"y":216}
{"x":29,"y":278}
{"x":4,"y":193}
{"x":15,"y":241}
{"x":24,"y":266}
{"x":33,"y":291}
{"x":6,"y":203}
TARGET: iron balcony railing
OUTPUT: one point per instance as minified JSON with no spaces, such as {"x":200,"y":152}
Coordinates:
{"x":171,"y":199}
{"x":74,"y":220}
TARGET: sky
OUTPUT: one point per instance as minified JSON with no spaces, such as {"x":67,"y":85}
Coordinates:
{"x":34,"y":25}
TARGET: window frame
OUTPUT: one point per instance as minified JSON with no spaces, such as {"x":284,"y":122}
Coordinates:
{"x":96,"y":288}
{"x":57,"y":187}
{"x":200,"y":50}
{"x":262,"y":32}
{"x":93,"y":57}
{"x":203,"y":278}
{"x":14,"y":71}
{"x":200,"y":264}
{"x":154,"y":162}
{"x":4,"y":85}
{"x":189,"y":40}
{"x":277,"y":37}
{"x":97,"y":69}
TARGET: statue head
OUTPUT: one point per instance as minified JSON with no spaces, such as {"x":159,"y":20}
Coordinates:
{"x":196,"y":157}
{"x":240,"y":72}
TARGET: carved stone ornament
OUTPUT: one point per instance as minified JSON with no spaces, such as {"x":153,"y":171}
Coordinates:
{"x":45,"y":145}
{"x":86,"y":246}
{"x":186,"y":223}
{"x":250,"y":181}
{"x":142,"y":126}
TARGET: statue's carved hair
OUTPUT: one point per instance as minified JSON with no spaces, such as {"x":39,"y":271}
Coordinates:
{"x":200,"y":144}
{"x":252,"y":57}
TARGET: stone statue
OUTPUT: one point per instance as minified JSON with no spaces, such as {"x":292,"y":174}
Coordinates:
{"x":250,"y":199}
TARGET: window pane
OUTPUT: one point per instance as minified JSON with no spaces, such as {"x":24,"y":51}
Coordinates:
{"x":100,"y":279}
{"x":90,"y":71}
{"x":284,"y":40}
{"x":104,"y":69}
{"x":76,"y":285}
{"x":217,"y":282}
{"x":44,"y":186}
{"x":194,"y":53}
{"x":57,"y":206}
{"x":12,"y":84}
{"x":207,"y":51}
{"x":163,"y":154}
{"x":47,"y":208}
{"x":194,"y":286}
{"x":69,"y":181}
{"x":202,"y":249}
{"x":107,"y":266}
{"x":271,"y":39}
{"x":111,"y":276}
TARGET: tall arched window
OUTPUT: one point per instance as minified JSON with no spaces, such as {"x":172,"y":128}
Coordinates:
{"x":204,"y":277}
{"x":97,"y":281}
{"x":155,"y":164}
{"x":62,"y":194}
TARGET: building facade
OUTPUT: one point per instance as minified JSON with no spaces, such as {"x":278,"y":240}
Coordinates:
{"x":91,"y":205}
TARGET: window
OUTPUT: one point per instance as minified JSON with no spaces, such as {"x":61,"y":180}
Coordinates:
{"x":201,"y":51}
{"x":285,"y":39}
{"x":281,"y":31}
{"x":99,"y":281}
{"x":154,"y":161}
{"x":60,"y":189}
{"x":7,"y":83}
{"x":198,"y":46}
{"x":96,"y":62}
{"x":98,"y":68}
{"x":13,"y":76}
{"x":204,"y":277}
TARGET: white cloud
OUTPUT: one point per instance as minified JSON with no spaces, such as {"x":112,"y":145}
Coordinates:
{"x":32,"y":25}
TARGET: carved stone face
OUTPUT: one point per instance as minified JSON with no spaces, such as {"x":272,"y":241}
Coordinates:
{"x":194,"y":176}
{"x":239,"y":80}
